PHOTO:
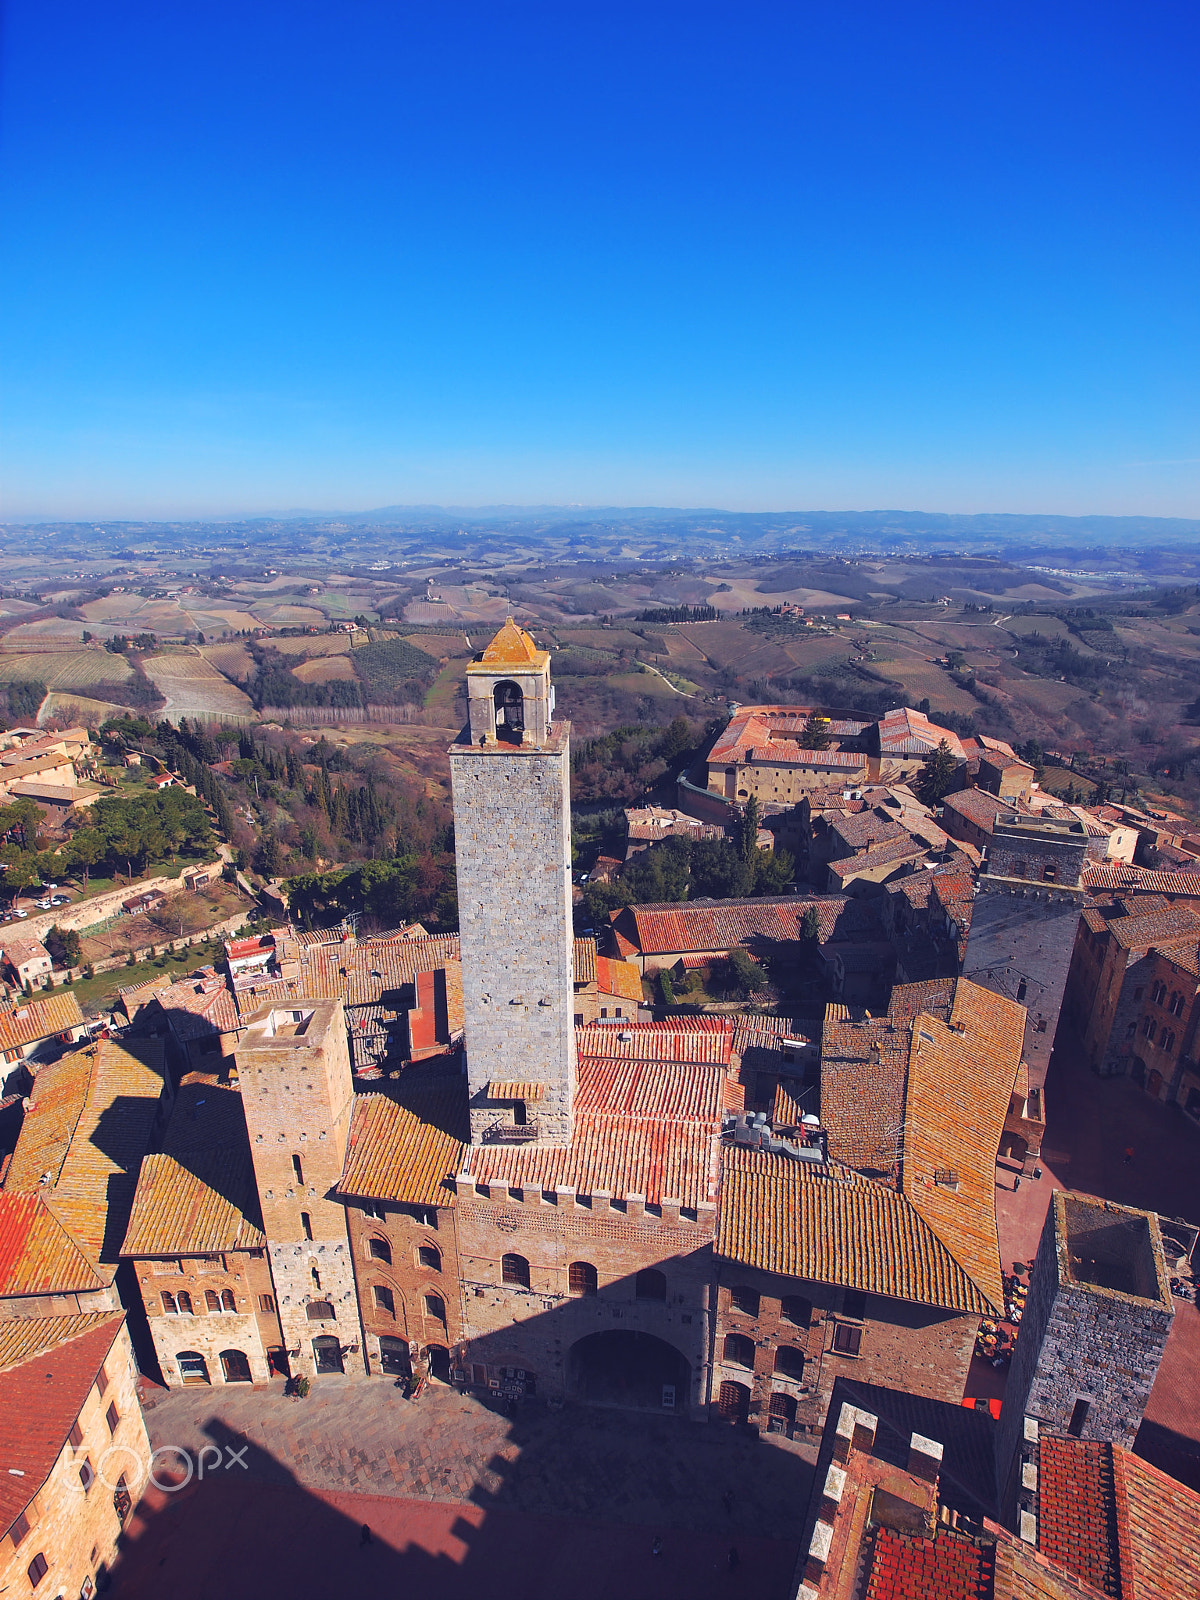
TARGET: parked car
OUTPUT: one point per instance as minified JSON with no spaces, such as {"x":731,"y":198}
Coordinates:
{"x":20,"y":913}
{"x":59,"y":899}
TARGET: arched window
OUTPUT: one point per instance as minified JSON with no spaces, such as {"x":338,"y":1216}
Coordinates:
{"x":1159,"y":992}
{"x":650,"y":1285}
{"x":385,"y":1301}
{"x":1167,"y":1042}
{"x":789,"y":1361}
{"x":515,"y":1270}
{"x":320,"y":1311}
{"x":212,"y":1299}
{"x":435,"y":1307}
{"x":796,"y":1309}
{"x":1176,"y":1004}
{"x":581,"y":1277}
{"x":227,"y":1301}
{"x":168,"y":1303}
{"x":744,"y":1300}
{"x":379,"y":1249}
{"x":235,"y":1366}
{"x":192,"y":1367}
{"x":185,"y":1303}
{"x":733,"y":1402}
{"x":510,"y":710}
{"x":739,"y":1350}
{"x":327,"y":1354}
{"x":430,"y":1257}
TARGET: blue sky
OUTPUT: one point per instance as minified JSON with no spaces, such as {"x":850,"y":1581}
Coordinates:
{"x":263,"y":255}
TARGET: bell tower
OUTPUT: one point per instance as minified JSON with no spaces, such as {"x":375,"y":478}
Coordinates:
{"x":510,"y":778}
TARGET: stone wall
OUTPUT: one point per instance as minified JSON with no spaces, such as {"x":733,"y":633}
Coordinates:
{"x":513,"y":855}
{"x":920,"y":1349}
{"x":405,"y":1230}
{"x":1084,"y":1341}
{"x":249,"y":1328}
{"x":535,"y":1328}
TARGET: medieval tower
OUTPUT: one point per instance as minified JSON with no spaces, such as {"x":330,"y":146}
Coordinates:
{"x":1093,"y":1331}
{"x":297,"y":1089}
{"x":510,"y":776}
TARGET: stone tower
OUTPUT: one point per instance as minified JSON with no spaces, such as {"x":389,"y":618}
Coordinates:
{"x":1027,"y":904}
{"x":294,"y":1070}
{"x":1093,"y":1330}
{"x":510,"y":774}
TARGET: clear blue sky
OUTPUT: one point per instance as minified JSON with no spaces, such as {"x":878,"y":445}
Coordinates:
{"x":344,"y":254}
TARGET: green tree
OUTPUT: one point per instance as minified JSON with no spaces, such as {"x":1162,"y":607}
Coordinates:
{"x":64,"y":945}
{"x":749,"y":834}
{"x":816,"y":733}
{"x":744,"y":975}
{"x":810,"y":926}
{"x":19,"y":875}
{"x":87,"y":847}
{"x":937,"y":775}
{"x":667,"y":987}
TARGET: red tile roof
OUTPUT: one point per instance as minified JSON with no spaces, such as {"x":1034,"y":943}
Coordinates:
{"x":696,"y":1039}
{"x":40,"y":1402}
{"x":948,"y":1567}
{"x":32,"y":1020}
{"x":37,"y":1254}
{"x":670,"y":928}
{"x":1119,"y":875}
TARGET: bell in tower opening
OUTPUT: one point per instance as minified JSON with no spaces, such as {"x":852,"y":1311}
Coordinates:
{"x":510,"y":711}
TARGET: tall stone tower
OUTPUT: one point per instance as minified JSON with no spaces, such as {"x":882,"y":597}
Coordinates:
{"x":1028,"y":899}
{"x":510,"y":775}
{"x":297,"y":1089}
{"x":1093,"y":1330}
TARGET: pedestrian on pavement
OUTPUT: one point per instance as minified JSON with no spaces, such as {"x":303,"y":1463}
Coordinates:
{"x":1016,"y":1183}
{"x":1128,"y":1155}
{"x":656,"y":1547}
{"x":727,"y":1502}
{"x":733,"y":1559}
{"x":365,"y":1536}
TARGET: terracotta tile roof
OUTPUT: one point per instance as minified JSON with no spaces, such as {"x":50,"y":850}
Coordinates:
{"x":40,"y":1402}
{"x":761,"y":734}
{"x":1178,"y":923}
{"x":905,"y":732}
{"x":620,"y":978}
{"x":39,"y":1019}
{"x":88,"y":1126}
{"x":1077,"y":1511}
{"x":1119,"y":875}
{"x":982,"y":808}
{"x":949,"y":1567}
{"x":648,"y":1128}
{"x":895,"y":851}
{"x":22,"y":1338}
{"x":863,"y":1069}
{"x":513,"y":647}
{"x":199,"y":1192}
{"x":787,"y":1111}
{"x":18,"y":951}
{"x":516,"y":1090}
{"x":37,"y":1254}
{"x":694,"y":1039}
{"x":195,"y":1012}
{"x":720,"y":925}
{"x":960,"y":1082}
{"x":585,"y":961}
{"x":408,"y":1145}
{"x":828,"y":1225}
{"x":1159,"y":1524}
{"x":864,"y":831}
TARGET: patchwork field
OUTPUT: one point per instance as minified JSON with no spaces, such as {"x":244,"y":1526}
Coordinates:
{"x":324,"y":670}
{"x":194,"y":688}
{"x":313,"y":644}
{"x":49,"y":632}
{"x":232,"y":659}
{"x":78,"y":708}
{"x":64,"y":669}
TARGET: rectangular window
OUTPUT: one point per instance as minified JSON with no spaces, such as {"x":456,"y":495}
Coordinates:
{"x":37,"y":1569}
{"x":102,"y":1380}
{"x":846,"y":1339}
{"x":266,"y":1302}
{"x":76,"y":1435}
{"x":1079,"y":1416}
{"x":112,"y":1416}
{"x":298,"y":1170}
{"x":306,"y":1224}
{"x":19,"y":1528}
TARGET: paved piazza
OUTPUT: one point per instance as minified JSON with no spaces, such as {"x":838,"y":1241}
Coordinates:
{"x":547,"y":1503}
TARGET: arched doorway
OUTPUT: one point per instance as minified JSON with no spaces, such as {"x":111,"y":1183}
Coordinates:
{"x":236,"y":1366}
{"x":439,"y":1362}
{"x":1154,"y":1083}
{"x":733,"y":1402}
{"x":510,"y":711}
{"x":327,"y":1352}
{"x":394,"y":1357}
{"x":624,"y":1368}
{"x":192,"y":1367}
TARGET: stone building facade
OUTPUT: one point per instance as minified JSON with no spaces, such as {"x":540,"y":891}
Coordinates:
{"x":297,"y":1089}
{"x":212,"y":1317}
{"x":510,"y":786}
{"x":406,"y":1264}
{"x":557,"y":1286}
{"x":76,"y":1449}
{"x":1094,"y":1327}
